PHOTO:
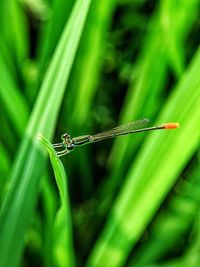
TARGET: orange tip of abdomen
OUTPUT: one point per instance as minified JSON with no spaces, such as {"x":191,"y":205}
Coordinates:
{"x":171,"y":125}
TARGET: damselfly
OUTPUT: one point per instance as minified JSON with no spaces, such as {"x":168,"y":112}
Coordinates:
{"x":68,"y":143}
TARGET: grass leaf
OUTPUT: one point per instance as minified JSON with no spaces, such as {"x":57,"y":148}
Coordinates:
{"x":20,"y":200}
{"x":62,"y":240}
{"x":148,"y":182}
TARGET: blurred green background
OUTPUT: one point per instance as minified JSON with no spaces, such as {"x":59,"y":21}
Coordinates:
{"x":82,"y":67}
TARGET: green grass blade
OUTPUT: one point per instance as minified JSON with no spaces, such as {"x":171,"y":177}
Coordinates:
{"x":49,"y":200}
{"x":145,"y":90}
{"x":88,"y":61}
{"x":21,"y":197}
{"x":148,"y":182}
{"x":62,"y":241}
{"x":51,"y":30}
{"x":4,"y":170}
{"x":15,"y":32}
{"x":49,"y":34}
{"x":173,"y":222}
{"x":17,"y":109}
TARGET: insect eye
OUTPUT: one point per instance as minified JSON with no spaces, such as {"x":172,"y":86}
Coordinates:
{"x":70,"y":146}
{"x":65,"y":136}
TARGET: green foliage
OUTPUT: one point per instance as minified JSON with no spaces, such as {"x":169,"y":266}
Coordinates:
{"x":85,"y":66}
{"x":62,"y":238}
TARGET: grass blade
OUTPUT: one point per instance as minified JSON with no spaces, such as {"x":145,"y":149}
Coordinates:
{"x":9,"y":90}
{"x":15,"y":32}
{"x":145,"y":90}
{"x":147,"y":183}
{"x":21,"y":197}
{"x":62,"y":241}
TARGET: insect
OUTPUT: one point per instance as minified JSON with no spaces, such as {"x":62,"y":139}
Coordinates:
{"x":68,"y":143}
